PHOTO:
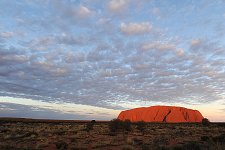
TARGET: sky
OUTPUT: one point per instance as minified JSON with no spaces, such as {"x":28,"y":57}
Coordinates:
{"x":90,"y":59}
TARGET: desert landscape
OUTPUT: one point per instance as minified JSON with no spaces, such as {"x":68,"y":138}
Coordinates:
{"x":31,"y":134}
{"x":112,"y":75}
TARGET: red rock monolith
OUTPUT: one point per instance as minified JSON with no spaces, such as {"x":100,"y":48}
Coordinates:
{"x":171,"y":114}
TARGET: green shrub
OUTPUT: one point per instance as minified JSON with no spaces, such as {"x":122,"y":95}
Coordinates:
{"x":205,"y":122}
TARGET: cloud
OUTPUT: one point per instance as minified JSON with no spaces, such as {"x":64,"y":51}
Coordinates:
{"x":195,"y":42}
{"x":78,"y":52}
{"x":105,"y":77}
{"x":55,"y":41}
{"x":26,"y":111}
{"x":7,"y":34}
{"x":135,"y":28}
{"x":71,"y":40}
{"x":117,"y":5}
{"x":158,"y":45}
{"x":62,"y":110}
{"x":180,"y":52}
{"x":83,"y":11}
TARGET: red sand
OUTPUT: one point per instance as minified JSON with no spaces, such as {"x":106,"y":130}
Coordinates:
{"x":171,"y":114}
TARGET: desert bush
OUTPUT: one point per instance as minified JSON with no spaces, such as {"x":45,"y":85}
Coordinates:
{"x":126,"y":125}
{"x":204,"y":138}
{"x":129,"y":140}
{"x":127,"y":147}
{"x":61,"y":145}
{"x":59,"y":132}
{"x":161,"y":140}
{"x":205,"y":122}
{"x":116,"y":125}
{"x":6,"y":147}
{"x":146,"y":147}
{"x":192,"y":146}
{"x":73,"y":140}
{"x":220,"y":125}
{"x":141,"y":125}
{"x":90,"y":125}
{"x":4,"y":130}
{"x":219,"y":139}
{"x":137,"y":141}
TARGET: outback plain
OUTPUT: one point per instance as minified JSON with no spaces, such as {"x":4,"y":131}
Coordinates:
{"x":33,"y":134}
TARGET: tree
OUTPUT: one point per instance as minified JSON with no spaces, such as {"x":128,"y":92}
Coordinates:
{"x":205,"y":122}
{"x":90,"y":125}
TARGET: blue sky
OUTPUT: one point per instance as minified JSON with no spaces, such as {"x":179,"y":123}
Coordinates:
{"x":58,"y":56}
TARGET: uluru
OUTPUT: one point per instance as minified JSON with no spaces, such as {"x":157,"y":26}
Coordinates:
{"x":170,"y":114}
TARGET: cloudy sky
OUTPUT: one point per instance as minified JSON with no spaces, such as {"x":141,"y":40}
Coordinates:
{"x":90,"y":59}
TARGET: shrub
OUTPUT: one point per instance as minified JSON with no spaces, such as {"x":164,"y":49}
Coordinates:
{"x":126,"y":125}
{"x":146,"y":147}
{"x":127,"y":147}
{"x":204,"y":138}
{"x":219,"y":139}
{"x":61,"y":145}
{"x":205,"y":122}
{"x":116,"y":125}
{"x":141,"y":125}
{"x":192,"y":146}
{"x":90,"y":125}
{"x":137,"y":141}
{"x":73,"y":140}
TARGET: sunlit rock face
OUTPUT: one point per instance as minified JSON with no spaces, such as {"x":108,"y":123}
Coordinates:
{"x":170,"y":114}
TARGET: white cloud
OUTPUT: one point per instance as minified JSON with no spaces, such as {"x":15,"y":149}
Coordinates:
{"x":135,"y":28}
{"x":162,"y":47}
{"x":117,"y":5}
{"x":195,"y":42}
{"x":158,"y":45}
{"x":7,"y":34}
{"x":180,"y":52}
{"x":84,"y":11}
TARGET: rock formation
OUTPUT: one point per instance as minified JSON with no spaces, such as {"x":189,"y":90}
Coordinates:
{"x":161,"y":114}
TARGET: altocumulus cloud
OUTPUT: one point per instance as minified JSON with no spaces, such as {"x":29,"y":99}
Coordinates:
{"x":135,"y":28}
{"x":77,"y":52}
{"x":117,"y":5}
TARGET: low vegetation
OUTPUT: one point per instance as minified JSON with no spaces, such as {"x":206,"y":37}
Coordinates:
{"x":115,"y":134}
{"x":205,"y":122}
